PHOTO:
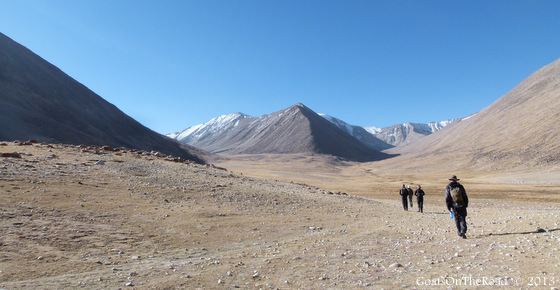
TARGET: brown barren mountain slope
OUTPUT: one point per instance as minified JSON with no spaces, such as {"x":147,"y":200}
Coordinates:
{"x":39,"y":101}
{"x":77,"y":217}
{"x":520,"y":130}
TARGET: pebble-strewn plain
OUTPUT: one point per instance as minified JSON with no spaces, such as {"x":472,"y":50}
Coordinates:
{"x":109,"y":218}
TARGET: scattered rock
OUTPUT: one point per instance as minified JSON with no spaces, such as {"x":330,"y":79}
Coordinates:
{"x":350,"y":250}
{"x":108,"y":148}
{"x":27,"y":143}
{"x":217,"y":167}
{"x":11,"y":155}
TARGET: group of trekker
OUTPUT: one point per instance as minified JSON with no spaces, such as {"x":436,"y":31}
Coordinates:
{"x":407,"y":193}
{"x":456,"y":200}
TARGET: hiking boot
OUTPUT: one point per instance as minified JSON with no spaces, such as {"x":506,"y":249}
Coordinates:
{"x":464,"y":236}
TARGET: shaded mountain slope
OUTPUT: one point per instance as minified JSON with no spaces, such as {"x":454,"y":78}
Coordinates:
{"x":39,"y":101}
{"x":367,"y":137}
{"x":518,"y":130}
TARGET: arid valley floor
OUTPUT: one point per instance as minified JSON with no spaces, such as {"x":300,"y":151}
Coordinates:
{"x":84,"y":217}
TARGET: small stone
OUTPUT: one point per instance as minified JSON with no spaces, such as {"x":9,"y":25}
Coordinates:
{"x":107,"y":148}
{"x":11,"y":155}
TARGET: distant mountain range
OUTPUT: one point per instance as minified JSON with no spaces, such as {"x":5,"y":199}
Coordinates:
{"x":39,"y":101}
{"x":296,"y":129}
{"x":389,"y":137}
{"x":520,"y":130}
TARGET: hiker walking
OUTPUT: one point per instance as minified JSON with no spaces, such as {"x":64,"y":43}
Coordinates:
{"x":457,"y":202}
{"x":410,"y":194}
{"x":420,"y":198}
{"x":404,"y":194}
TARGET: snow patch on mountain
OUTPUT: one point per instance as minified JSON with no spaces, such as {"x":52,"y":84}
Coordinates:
{"x":339,"y":123}
{"x":373,"y":130}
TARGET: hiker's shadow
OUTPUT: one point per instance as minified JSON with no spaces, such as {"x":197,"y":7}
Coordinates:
{"x":537,"y":231}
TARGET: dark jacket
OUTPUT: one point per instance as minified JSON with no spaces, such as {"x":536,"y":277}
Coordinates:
{"x":403,"y":192}
{"x":449,"y":201}
{"x":410,"y":192}
{"x":419,"y":193}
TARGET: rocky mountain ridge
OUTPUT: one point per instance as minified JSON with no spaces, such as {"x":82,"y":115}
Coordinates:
{"x":392,"y":136}
{"x":209,"y":135}
{"x":296,"y":129}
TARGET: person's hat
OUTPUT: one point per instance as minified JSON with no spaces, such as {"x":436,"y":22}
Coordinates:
{"x":454,"y":178}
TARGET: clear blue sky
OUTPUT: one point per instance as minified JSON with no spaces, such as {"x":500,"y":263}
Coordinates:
{"x":173,"y":64}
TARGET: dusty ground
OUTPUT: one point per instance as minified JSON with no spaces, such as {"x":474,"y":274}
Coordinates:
{"x":74,"y":217}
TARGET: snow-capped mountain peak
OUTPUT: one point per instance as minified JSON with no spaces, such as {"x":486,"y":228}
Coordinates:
{"x":217,"y":124}
{"x":390,"y":136}
{"x":373,"y":137}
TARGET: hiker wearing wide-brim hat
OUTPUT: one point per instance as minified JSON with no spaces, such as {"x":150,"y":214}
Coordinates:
{"x":457,"y":202}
